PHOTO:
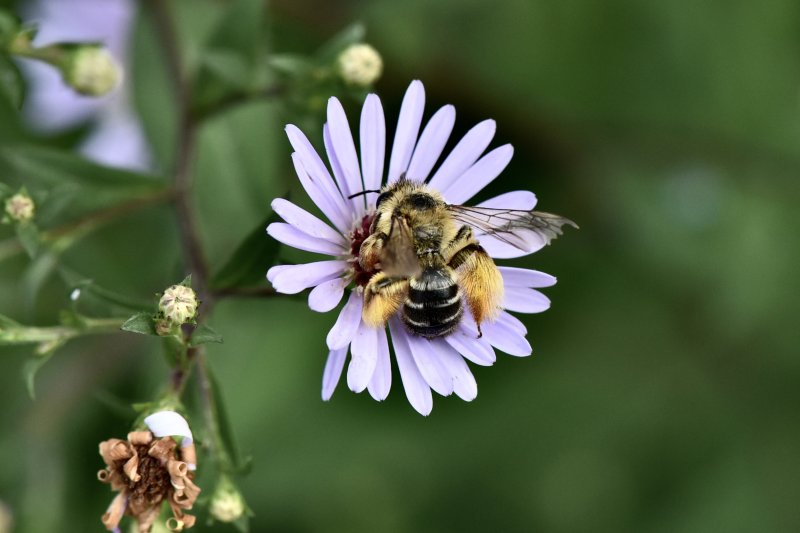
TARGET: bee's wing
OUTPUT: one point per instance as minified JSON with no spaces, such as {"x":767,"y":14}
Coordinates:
{"x":398,"y":258}
{"x":526,"y":230}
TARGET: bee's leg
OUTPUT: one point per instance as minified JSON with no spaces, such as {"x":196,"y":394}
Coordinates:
{"x":383,"y":296}
{"x":369,"y":254}
{"x":478,"y":276}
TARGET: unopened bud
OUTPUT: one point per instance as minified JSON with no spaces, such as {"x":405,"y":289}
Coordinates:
{"x":20,"y":207}
{"x":91,"y":71}
{"x":6,"y":519}
{"x":360,"y":64}
{"x":178,"y":304}
{"x":227,"y":503}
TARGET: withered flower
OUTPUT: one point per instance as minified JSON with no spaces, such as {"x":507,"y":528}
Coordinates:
{"x":148,"y":469}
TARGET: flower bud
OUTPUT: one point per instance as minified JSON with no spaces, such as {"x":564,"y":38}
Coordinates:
{"x":178,"y":304}
{"x":20,"y":207}
{"x":227,"y":503}
{"x":91,"y":71}
{"x":360,"y":65}
{"x":6,"y":518}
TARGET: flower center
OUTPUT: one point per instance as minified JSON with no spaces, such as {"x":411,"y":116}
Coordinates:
{"x":154,"y":484}
{"x":359,"y":234}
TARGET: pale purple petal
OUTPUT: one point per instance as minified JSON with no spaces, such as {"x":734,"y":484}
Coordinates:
{"x":466,"y":152}
{"x":333,"y":159}
{"x":426,"y":355}
{"x":332,"y":206}
{"x":431,"y":143}
{"x":326,"y":295}
{"x":479,"y":175}
{"x":363,"y":357}
{"x":498,"y":249}
{"x":524,"y":200}
{"x":503,"y":337}
{"x":346,"y":325}
{"x":342,"y":141}
{"x":274,"y":271}
{"x":290,"y":235}
{"x":467,"y":343}
{"x":381,"y":380}
{"x":373,"y":142}
{"x":464,"y":384}
{"x":513,"y":322}
{"x":306,"y":222}
{"x":313,"y":163}
{"x":407,"y":130}
{"x":525,"y":300}
{"x":417,"y":390}
{"x":295,"y":278}
{"x":523,"y":277}
{"x":333,"y":371}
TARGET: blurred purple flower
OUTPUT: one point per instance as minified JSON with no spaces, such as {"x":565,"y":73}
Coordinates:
{"x":117,"y":138}
{"x":424,"y":364}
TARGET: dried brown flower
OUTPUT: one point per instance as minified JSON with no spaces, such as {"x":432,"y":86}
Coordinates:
{"x":148,"y":471}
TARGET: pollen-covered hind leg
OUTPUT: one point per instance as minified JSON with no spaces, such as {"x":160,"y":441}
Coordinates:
{"x":383,"y":296}
{"x":478,"y":276}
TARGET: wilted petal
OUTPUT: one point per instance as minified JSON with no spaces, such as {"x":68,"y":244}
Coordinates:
{"x":479,"y":175}
{"x":373,"y":142}
{"x":431,"y":143}
{"x":417,"y":390}
{"x":306,"y":222}
{"x":169,"y":424}
{"x":346,"y":325}
{"x":407,"y":130}
{"x":333,"y":371}
{"x":466,"y":152}
{"x":524,"y":277}
{"x":427,"y":356}
{"x":525,"y":300}
{"x":381,"y":380}
{"x":298,"y":277}
{"x":326,"y":295}
{"x":291,"y":236}
{"x":363,"y":357}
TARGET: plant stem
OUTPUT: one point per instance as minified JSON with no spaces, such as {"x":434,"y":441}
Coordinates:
{"x":36,"y":335}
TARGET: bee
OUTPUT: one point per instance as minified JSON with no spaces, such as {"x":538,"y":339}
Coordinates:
{"x":429,"y":262}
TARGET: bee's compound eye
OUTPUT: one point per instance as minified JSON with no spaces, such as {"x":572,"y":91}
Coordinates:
{"x":381,"y":198}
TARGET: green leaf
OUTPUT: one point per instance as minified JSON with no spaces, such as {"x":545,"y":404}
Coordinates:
{"x":350,"y":35}
{"x":7,"y":323}
{"x":187,"y":281}
{"x":87,"y":287}
{"x":31,"y":368}
{"x":204,"y":334}
{"x":249,"y":262}
{"x":223,"y":422}
{"x":11,"y":84}
{"x":28,"y":236}
{"x":142,"y":323}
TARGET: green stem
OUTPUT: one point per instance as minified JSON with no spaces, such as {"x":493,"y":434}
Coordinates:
{"x":20,"y":334}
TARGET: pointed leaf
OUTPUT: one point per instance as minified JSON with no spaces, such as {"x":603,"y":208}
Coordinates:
{"x":142,"y":323}
{"x":204,"y":334}
{"x":248,"y":265}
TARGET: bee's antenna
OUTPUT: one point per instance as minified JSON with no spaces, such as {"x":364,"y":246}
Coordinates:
{"x":363,"y":193}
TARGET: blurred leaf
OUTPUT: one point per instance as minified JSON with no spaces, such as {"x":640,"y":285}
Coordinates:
{"x":292,"y":64}
{"x":227,"y":66}
{"x":187,"y":281}
{"x":223,"y":422}
{"x":31,"y":368}
{"x":76,"y":282}
{"x":142,"y":323}
{"x":39,"y":271}
{"x":350,"y":35}
{"x":7,"y":323}
{"x":11,"y":85}
{"x":204,"y":334}
{"x":9,"y":24}
{"x":249,"y":263}
{"x":28,"y":235}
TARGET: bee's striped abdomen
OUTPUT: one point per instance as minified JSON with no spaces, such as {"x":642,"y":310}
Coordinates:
{"x":433,"y":307}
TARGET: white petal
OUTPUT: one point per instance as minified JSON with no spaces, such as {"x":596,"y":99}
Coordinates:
{"x":332,"y":372}
{"x":306,"y":222}
{"x":298,"y":277}
{"x":332,"y":206}
{"x":505,"y":338}
{"x":290,"y":235}
{"x":417,"y":390}
{"x":169,"y":424}
{"x":326,"y":295}
{"x":464,"y":384}
{"x":363,"y":357}
{"x":274,"y":271}
{"x":466,"y":152}
{"x":381,"y":380}
{"x":524,"y":200}
{"x":479,"y":175}
{"x":407,"y":129}
{"x":523,"y":277}
{"x":426,"y":356}
{"x":431,"y":143}
{"x":345,"y":327}
{"x":525,"y":300}
{"x":373,"y":142}
{"x":342,"y":141}
{"x":467,"y":343}
{"x":333,"y":159}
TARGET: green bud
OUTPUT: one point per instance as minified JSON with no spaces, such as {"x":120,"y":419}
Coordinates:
{"x":178,"y":305}
{"x":20,"y":207}
{"x":227,"y":503}
{"x":360,"y":65}
{"x":91,"y":71}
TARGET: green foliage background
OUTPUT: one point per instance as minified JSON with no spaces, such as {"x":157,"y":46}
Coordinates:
{"x":663,"y":390}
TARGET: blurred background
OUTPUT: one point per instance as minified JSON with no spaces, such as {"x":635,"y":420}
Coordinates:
{"x":662,"y":394}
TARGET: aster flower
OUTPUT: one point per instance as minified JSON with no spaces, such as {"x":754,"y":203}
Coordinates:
{"x":147,"y":469}
{"x":437,"y":364}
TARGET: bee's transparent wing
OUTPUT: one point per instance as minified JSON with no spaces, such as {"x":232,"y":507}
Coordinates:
{"x":525,"y":230}
{"x":398,"y":258}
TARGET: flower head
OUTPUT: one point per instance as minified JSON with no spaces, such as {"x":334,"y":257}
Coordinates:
{"x":91,"y":71}
{"x":425,"y":364}
{"x":227,"y":503}
{"x":360,"y":64}
{"x":20,"y":207}
{"x":148,"y":469}
{"x":178,"y":305}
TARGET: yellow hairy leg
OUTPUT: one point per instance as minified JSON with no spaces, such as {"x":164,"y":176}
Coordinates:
{"x":383,"y":296}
